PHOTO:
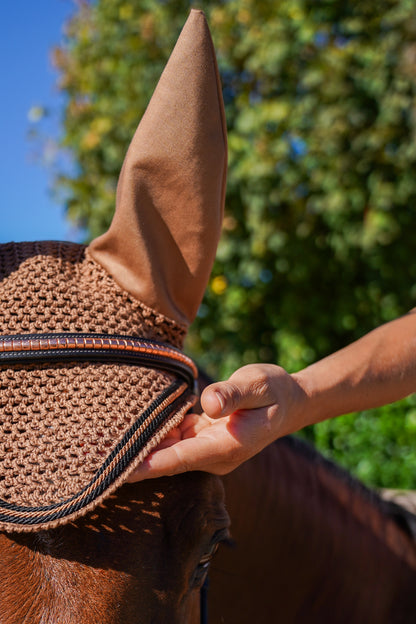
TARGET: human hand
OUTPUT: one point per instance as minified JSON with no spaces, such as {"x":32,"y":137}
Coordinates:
{"x":258,"y":404}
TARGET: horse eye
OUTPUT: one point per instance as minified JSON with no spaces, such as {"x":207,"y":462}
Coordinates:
{"x":203,"y":565}
{"x":206,"y":559}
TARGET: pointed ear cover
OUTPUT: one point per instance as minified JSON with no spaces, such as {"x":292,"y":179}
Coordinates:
{"x":170,"y":197}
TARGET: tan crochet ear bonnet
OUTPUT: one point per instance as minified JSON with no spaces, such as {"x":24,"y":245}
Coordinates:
{"x":84,"y":397}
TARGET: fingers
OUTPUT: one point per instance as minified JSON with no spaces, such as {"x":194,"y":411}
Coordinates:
{"x":249,"y":387}
{"x":163,"y":462}
{"x":183,"y":456}
{"x":241,"y":416}
{"x":217,"y":448}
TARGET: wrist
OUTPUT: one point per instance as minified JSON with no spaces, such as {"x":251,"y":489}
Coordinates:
{"x":297,"y":406}
{"x":307,"y":409}
{"x":327,"y":391}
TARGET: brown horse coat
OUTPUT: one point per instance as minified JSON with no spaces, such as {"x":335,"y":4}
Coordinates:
{"x":136,"y":560}
{"x":310,"y":545}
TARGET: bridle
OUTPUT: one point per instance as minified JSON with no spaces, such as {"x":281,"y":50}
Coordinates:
{"x":73,"y":346}
{"x":203,"y":599}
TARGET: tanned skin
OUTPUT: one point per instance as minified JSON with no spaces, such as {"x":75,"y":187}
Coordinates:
{"x":260,"y":403}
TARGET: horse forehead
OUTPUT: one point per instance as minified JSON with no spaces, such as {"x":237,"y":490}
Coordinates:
{"x":147,"y":520}
{"x":179,"y":500}
{"x":186,"y":508}
{"x":136,"y":517}
{"x":133,"y":555}
{"x":195,"y":490}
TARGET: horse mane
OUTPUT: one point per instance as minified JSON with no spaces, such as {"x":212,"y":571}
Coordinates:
{"x":401,"y":516}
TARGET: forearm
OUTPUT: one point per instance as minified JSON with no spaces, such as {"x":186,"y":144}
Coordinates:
{"x":262,"y":402}
{"x":379,"y":368}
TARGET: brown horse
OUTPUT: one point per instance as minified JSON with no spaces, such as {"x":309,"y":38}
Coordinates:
{"x":310,"y":545}
{"x":140,"y":558}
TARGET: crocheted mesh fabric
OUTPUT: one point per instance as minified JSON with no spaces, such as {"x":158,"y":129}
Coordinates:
{"x":50,"y":286}
{"x":58,"y":422}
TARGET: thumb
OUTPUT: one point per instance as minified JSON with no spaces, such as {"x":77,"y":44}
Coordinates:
{"x":250,"y":387}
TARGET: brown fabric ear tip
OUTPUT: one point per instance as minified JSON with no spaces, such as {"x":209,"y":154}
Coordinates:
{"x":193,"y":12}
{"x":162,"y":242}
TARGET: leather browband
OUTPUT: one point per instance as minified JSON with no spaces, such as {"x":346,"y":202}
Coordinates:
{"x":55,"y":347}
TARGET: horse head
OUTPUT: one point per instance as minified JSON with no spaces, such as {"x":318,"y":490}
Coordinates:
{"x":140,"y":557}
{"x":92,"y":377}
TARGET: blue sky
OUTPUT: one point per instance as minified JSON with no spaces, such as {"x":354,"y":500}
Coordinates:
{"x":29,"y":31}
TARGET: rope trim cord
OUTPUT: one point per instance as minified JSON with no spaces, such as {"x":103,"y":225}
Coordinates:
{"x":165,"y":410}
{"x":152,"y":419}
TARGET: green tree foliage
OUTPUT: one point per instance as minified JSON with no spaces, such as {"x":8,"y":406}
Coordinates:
{"x":318,"y":244}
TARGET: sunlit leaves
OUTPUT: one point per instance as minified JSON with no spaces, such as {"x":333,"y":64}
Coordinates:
{"x":318,"y":242}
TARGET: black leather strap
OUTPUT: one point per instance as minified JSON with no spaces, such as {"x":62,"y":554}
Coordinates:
{"x":70,"y":346}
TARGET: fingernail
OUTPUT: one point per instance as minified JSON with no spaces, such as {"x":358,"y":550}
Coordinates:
{"x":221,"y":400}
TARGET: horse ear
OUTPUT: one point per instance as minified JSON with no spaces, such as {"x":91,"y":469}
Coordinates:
{"x":162,"y":241}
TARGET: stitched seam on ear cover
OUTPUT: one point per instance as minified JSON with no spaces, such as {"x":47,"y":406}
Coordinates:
{"x":179,"y":328}
{"x":154,"y":419}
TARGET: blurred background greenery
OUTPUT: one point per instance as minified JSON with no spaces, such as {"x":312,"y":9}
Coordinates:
{"x":319,"y":239}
